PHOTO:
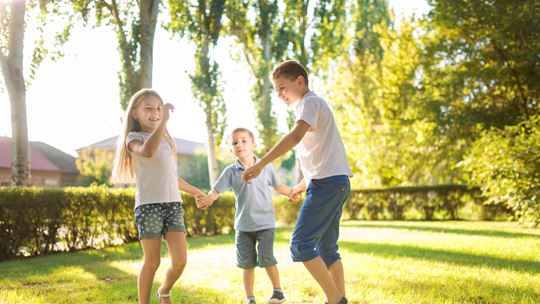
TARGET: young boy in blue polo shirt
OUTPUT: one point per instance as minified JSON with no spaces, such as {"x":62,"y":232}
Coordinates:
{"x":254,"y":219}
{"x":326,"y":179}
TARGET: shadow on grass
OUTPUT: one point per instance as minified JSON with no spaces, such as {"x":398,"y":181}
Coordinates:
{"x":450,"y":257}
{"x":462,"y":231}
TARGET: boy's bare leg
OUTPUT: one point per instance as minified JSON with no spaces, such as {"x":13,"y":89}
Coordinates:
{"x":249,"y":281}
{"x":320,"y":273}
{"x":273,"y":274}
{"x":338,"y":276}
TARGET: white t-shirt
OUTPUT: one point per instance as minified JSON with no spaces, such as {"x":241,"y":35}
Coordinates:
{"x":157,"y":178}
{"x":321,"y":151}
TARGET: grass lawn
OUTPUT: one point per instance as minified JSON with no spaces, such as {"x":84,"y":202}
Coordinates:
{"x":385,"y":262}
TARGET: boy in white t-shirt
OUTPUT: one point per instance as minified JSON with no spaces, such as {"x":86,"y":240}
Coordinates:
{"x":326,"y":172}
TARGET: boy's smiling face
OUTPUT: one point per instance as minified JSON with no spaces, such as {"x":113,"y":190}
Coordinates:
{"x":290,"y":90}
{"x":242,"y":144}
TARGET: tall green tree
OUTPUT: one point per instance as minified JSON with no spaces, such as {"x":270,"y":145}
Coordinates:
{"x":201,"y":22}
{"x":318,"y":31}
{"x":135,"y":25}
{"x":12,"y":38}
{"x":486,"y":52}
{"x":259,"y":28}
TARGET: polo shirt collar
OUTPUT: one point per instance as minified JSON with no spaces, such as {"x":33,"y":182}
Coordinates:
{"x":238,"y":166}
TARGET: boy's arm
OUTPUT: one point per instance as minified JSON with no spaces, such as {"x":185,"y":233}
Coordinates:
{"x":288,"y":142}
{"x":299,"y":188}
{"x":283,"y":189}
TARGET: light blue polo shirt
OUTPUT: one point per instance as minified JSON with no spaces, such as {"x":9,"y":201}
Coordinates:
{"x":253,"y":200}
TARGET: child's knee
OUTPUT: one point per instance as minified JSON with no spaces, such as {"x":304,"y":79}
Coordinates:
{"x":151,"y":264}
{"x":302,"y":251}
{"x":179,"y":262}
{"x":330,"y":258}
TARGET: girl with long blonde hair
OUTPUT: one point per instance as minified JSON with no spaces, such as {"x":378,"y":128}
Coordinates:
{"x":146,"y":153}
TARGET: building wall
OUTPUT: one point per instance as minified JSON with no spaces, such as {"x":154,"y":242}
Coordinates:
{"x":46,"y":179}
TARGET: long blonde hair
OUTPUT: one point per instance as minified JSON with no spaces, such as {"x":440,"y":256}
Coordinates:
{"x":123,"y":170}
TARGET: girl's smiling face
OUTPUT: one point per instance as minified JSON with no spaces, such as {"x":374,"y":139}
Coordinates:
{"x":148,"y":113}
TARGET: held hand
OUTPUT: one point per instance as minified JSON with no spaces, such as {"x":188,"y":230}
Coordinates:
{"x":204,"y":202}
{"x":165,"y":111}
{"x":295,"y":194}
{"x":295,"y":198}
{"x":251,"y":172}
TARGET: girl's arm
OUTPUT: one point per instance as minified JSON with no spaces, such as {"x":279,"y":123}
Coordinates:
{"x":187,"y":187}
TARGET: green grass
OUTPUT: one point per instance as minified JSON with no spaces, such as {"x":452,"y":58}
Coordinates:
{"x":385,"y":262}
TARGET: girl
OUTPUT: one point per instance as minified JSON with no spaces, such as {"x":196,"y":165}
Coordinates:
{"x":147,"y":152}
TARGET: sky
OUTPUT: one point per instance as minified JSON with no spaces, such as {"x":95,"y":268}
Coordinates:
{"x":73,"y":102}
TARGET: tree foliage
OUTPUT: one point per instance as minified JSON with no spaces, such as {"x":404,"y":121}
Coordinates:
{"x":134,"y":23}
{"x":506,"y":164}
{"x":201,"y":22}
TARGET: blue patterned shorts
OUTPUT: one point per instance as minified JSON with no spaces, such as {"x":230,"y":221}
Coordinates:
{"x":153,"y":220}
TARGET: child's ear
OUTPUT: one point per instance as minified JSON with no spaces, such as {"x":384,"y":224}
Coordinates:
{"x":300,"y":80}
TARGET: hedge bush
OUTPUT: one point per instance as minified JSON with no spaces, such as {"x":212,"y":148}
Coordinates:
{"x":35,"y":221}
{"x":441,"y":202}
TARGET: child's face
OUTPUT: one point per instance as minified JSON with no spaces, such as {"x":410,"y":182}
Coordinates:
{"x":289,"y":90}
{"x":242,"y":145}
{"x":148,"y":113}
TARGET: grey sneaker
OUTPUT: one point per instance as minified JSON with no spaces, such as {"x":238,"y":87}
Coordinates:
{"x":250,"y":301}
{"x":276,"y":298}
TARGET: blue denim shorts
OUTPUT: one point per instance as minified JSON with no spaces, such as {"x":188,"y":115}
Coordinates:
{"x":153,"y":220}
{"x":255,"y":248}
{"x":317,"y":229}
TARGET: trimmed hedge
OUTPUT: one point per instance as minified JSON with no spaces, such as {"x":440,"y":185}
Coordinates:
{"x":441,"y":202}
{"x":35,"y":221}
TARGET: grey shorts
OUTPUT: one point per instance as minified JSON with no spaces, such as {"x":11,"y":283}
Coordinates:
{"x":255,"y":248}
{"x":153,"y":220}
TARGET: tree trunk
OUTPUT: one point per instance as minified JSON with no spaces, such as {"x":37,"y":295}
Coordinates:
{"x":12,"y":70}
{"x":148,"y":15}
{"x":213,"y":170}
{"x":268,"y":130}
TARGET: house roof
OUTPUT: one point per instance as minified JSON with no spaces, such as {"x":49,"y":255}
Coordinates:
{"x":183,"y":146}
{"x":43,"y":157}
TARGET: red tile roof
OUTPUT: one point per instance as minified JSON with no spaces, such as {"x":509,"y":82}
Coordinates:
{"x":37,"y":160}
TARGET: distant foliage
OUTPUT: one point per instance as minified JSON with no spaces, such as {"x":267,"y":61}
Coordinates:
{"x":506,"y":164}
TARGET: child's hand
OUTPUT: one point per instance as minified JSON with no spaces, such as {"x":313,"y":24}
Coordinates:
{"x":251,"y":172}
{"x":204,"y":202}
{"x":295,"y":195}
{"x":165,"y":111}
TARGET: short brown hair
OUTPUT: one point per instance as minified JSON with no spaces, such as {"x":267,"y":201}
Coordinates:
{"x":243,"y":130}
{"x":290,"y":69}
